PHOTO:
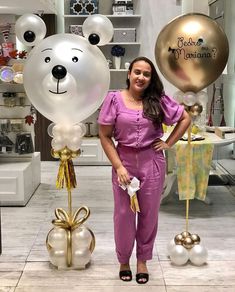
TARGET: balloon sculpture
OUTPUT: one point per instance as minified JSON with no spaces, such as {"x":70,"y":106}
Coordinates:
{"x":191,"y":52}
{"x":66,"y":78}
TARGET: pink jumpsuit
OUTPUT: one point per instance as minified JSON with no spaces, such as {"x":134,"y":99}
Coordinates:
{"x":135,"y":135}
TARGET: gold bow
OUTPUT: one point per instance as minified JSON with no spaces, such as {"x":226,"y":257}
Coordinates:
{"x":70,"y":222}
{"x":66,"y":174}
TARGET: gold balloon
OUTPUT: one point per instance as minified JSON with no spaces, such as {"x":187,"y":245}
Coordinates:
{"x":178,"y":239}
{"x":195,"y":109}
{"x":55,"y":154}
{"x":188,"y":242}
{"x":185,"y":234}
{"x":191,"y":51}
{"x":196,"y":238}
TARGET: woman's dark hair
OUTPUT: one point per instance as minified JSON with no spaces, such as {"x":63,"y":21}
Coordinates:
{"x":152,"y":95}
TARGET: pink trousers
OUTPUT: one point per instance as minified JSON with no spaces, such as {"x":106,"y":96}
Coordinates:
{"x":149,"y":167}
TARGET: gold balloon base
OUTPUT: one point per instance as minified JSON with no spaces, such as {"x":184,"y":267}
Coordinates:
{"x":70,"y":243}
{"x":186,"y":239}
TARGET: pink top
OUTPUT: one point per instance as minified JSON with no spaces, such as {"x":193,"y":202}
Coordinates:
{"x":130,"y":127}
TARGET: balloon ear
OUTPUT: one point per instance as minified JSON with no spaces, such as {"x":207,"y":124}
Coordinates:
{"x":30,"y":29}
{"x":98,"y":29}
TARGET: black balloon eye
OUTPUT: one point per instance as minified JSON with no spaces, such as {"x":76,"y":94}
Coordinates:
{"x":75,"y":59}
{"x":47,"y":59}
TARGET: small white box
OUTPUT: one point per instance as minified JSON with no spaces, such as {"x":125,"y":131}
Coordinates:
{"x":124,"y":35}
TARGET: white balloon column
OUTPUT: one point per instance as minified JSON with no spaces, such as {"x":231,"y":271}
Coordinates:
{"x":66,"y":77}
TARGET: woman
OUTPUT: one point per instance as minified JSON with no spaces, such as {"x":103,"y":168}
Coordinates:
{"x":134,"y":117}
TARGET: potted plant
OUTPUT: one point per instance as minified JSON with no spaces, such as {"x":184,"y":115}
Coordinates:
{"x":117,"y":52}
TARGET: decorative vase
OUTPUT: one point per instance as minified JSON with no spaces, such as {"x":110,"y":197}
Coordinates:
{"x":117,"y":62}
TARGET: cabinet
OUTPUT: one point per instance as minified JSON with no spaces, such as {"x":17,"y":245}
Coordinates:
{"x":91,"y":153}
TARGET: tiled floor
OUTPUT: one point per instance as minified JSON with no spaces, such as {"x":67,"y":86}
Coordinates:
{"x":24,"y":265}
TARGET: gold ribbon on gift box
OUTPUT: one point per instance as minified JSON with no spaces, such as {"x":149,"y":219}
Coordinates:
{"x":69,"y":223}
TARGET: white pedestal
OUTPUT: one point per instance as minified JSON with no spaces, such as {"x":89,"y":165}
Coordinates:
{"x":19,"y":179}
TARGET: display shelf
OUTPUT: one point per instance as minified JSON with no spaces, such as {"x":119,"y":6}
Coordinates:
{"x":109,"y":16}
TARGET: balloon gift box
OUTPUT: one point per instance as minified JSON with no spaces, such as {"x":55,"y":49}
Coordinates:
{"x":84,"y":7}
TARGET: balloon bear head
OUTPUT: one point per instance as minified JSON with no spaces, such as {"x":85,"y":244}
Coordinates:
{"x":66,"y":76}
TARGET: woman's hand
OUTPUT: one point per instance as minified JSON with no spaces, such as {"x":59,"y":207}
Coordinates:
{"x":159,"y":145}
{"x":123,"y":176}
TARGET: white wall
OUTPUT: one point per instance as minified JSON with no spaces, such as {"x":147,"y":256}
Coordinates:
{"x":153,"y":18}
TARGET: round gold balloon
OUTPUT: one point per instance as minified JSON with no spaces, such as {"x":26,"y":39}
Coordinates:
{"x":178,"y":239}
{"x":188,"y":242}
{"x":185,"y":234}
{"x":191,"y":51}
{"x":195,"y":110}
{"x":196,"y":238}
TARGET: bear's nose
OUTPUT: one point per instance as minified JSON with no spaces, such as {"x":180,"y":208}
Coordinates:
{"x":59,"y":71}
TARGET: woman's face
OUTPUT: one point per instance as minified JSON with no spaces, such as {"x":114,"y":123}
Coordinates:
{"x":140,"y":76}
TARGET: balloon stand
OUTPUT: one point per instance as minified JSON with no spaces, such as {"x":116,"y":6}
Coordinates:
{"x":186,"y":246}
{"x":69,"y":243}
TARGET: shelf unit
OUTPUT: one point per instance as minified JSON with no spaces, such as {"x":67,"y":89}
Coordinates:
{"x":118,"y":77}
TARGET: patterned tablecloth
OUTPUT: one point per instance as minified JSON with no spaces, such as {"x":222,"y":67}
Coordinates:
{"x":193,"y":167}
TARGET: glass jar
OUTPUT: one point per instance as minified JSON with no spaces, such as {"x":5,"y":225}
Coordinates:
{"x":4,"y":125}
{"x":9,"y":99}
{"x":21,"y":98}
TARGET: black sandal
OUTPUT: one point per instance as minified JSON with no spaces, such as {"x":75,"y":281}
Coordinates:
{"x":126,"y":273}
{"x":142,"y":276}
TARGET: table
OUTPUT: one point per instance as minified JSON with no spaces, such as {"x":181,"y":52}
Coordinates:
{"x":171,"y":183}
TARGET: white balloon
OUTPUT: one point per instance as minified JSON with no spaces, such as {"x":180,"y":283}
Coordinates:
{"x":100,"y":25}
{"x":63,"y":88}
{"x":81,"y":257}
{"x":178,"y":96}
{"x":58,"y":143}
{"x":57,"y":130}
{"x":170,"y":246}
{"x":81,"y":237}
{"x":30,"y":24}
{"x":198,"y":255}
{"x":57,"y":238}
{"x":179,"y":255}
{"x":74,"y":143}
{"x":58,"y":257}
{"x":83,"y":128}
{"x":202,"y":97}
{"x":189,"y":98}
{"x":50,"y":129}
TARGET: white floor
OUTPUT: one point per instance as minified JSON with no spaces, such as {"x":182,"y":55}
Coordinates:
{"x":24,"y":265}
